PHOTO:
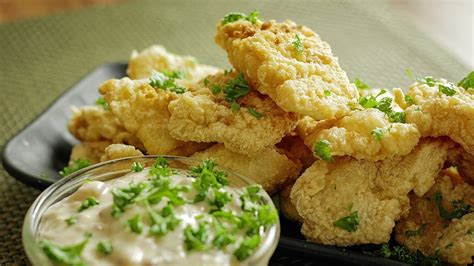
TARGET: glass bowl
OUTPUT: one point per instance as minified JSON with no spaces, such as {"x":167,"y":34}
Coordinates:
{"x":116,"y":168}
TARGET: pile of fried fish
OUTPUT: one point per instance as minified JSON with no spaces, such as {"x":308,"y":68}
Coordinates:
{"x":352,"y":164}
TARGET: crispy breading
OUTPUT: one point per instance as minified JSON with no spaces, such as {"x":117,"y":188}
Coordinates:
{"x":437,"y":114}
{"x":287,"y":207}
{"x":157,"y":58}
{"x":190,"y":148}
{"x":202,"y":116}
{"x":425,"y":230}
{"x":377,"y":191}
{"x":308,"y":82}
{"x":143,"y":111}
{"x":464,"y":163}
{"x":295,"y":149}
{"x":267,"y":168}
{"x":89,"y":150}
{"x":94,"y":123}
{"x":117,"y":151}
{"x":363,"y":134}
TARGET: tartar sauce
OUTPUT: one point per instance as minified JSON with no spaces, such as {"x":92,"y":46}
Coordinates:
{"x":158,"y":216}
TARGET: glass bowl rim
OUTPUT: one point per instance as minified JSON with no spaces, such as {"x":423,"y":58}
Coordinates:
{"x":76,"y":179}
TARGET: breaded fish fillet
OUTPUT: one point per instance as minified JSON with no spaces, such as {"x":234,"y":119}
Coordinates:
{"x":363,"y":134}
{"x":425,"y":229}
{"x":89,"y":150}
{"x":204,"y":116}
{"x":287,"y":207}
{"x":443,"y":109}
{"x":349,"y":202}
{"x":295,"y":149}
{"x":157,"y":58}
{"x":143,"y":111}
{"x":291,"y":64}
{"x":267,"y":168}
{"x":94,"y":123}
{"x":117,"y":151}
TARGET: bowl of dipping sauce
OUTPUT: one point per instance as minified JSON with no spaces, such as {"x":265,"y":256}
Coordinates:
{"x":152,"y":210}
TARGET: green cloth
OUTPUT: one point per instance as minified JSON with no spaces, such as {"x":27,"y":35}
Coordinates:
{"x":42,"y":57}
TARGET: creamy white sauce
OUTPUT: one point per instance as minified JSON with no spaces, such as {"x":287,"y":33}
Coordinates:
{"x":130,"y":248}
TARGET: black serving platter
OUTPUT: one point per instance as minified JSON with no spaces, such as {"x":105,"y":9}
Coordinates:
{"x":36,"y":154}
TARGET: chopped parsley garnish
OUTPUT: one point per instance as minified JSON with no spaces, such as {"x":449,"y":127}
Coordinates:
{"x":75,"y":166}
{"x":104,"y":247}
{"x":297,"y":44}
{"x":417,"y":232}
{"x":126,"y":196}
{"x":71,"y":220}
{"x":235,"y":16}
{"x":233,"y":90}
{"x":348,"y":223}
{"x":409,"y":100}
{"x":64,"y":255}
{"x":447,"y":90}
{"x":377,"y":133}
{"x":163,"y":222}
{"x":251,"y":198}
{"x":223,"y":238}
{"x":327,"y":93}
{"x":371,"y":101}
{"x":88,"y":203}
{"x":102,"y":103}
{"x":228,"y":71}
{"x":235,"y":107}
{"x":215,"y":89}
{"x":322,"y":149}
{"x":254,"y":112}
{"x":430,"y":81}
{"x":166,"y":81}
{"x":467,"y":82}
{"x":459,"y":208}
{"x":220,"y":198}
{"x":160,"y":168}
{"x":361,"y":85}
{"x":469,"y":231}
{"x":135,"y":224}
{"x":402,"y":254}
{"x":137,"y":167}
{"x":207,"y":177}
{"x":384,"y":105}
{"x":196,"y":239}
{"x":247,"y":247}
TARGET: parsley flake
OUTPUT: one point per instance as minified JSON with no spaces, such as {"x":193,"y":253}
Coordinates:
{"x":409,"y":99}
{"x":64,"y":255}
{"x":254,"y":112}
{"x":135,"y":224}
{"x":348,"y":223}
{"x":322,"y":149}
{"x":137,"y":167}
{"x":417,"y":232}
{"x":163,"y":222}
{"x":88,"y":203}
{"x":196,"y":239}
{"x":459,"y":208}
{"x":75,"y":166}
{"x":467,"y":82}
{"x":235,"y":16}
{"x":71,"y":220}
{"x":247,"y":248}
{"x":125,"y":196}
{"x":102,"y":103}
{"x":377,"y":133}
{"x":327,"y":93}
{"x":297,"y":44}
{"x":447,"y":90}
{"x":104,"y":247}
{"x":360,"y":85}
{"x":166,"y":81}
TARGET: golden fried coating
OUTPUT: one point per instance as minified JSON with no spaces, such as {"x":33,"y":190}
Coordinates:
{"x":377,"y":192}
{"x":157,"y":58}
{"x":293,"y":147}
{"x":89,"y":150}
{"x":425,"y":230}
{"x":437,"y":114}
{"x":363,"y":134}
{"x":189,"y":148}
{"x":287,"y":207}
{"x":268,"y":168}
{"x":202,"y":116}
{"x":117,"y":151}
{"x":464,"y":163}
{"x":94,"y":123}
{"x":143,"y":111}
{"x":303,"y":78}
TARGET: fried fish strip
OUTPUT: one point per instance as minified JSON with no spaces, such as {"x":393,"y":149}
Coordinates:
{"x":438,"y":114}
{"x":425,"y":230}
{"x":268,"y":168}
{"x":377,"y":192}
{"x":94,"y":123}
{"x":363,"y":134}
{"x":291,"y":64}
{"x":117,"y":151}
{"x":203,"y":116}
{"x":143,"y":111}
{"x":89,"y":150}
{"x":157,"y":58}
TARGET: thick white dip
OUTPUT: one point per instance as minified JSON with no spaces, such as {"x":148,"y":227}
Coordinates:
{"x":66,"y":223}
